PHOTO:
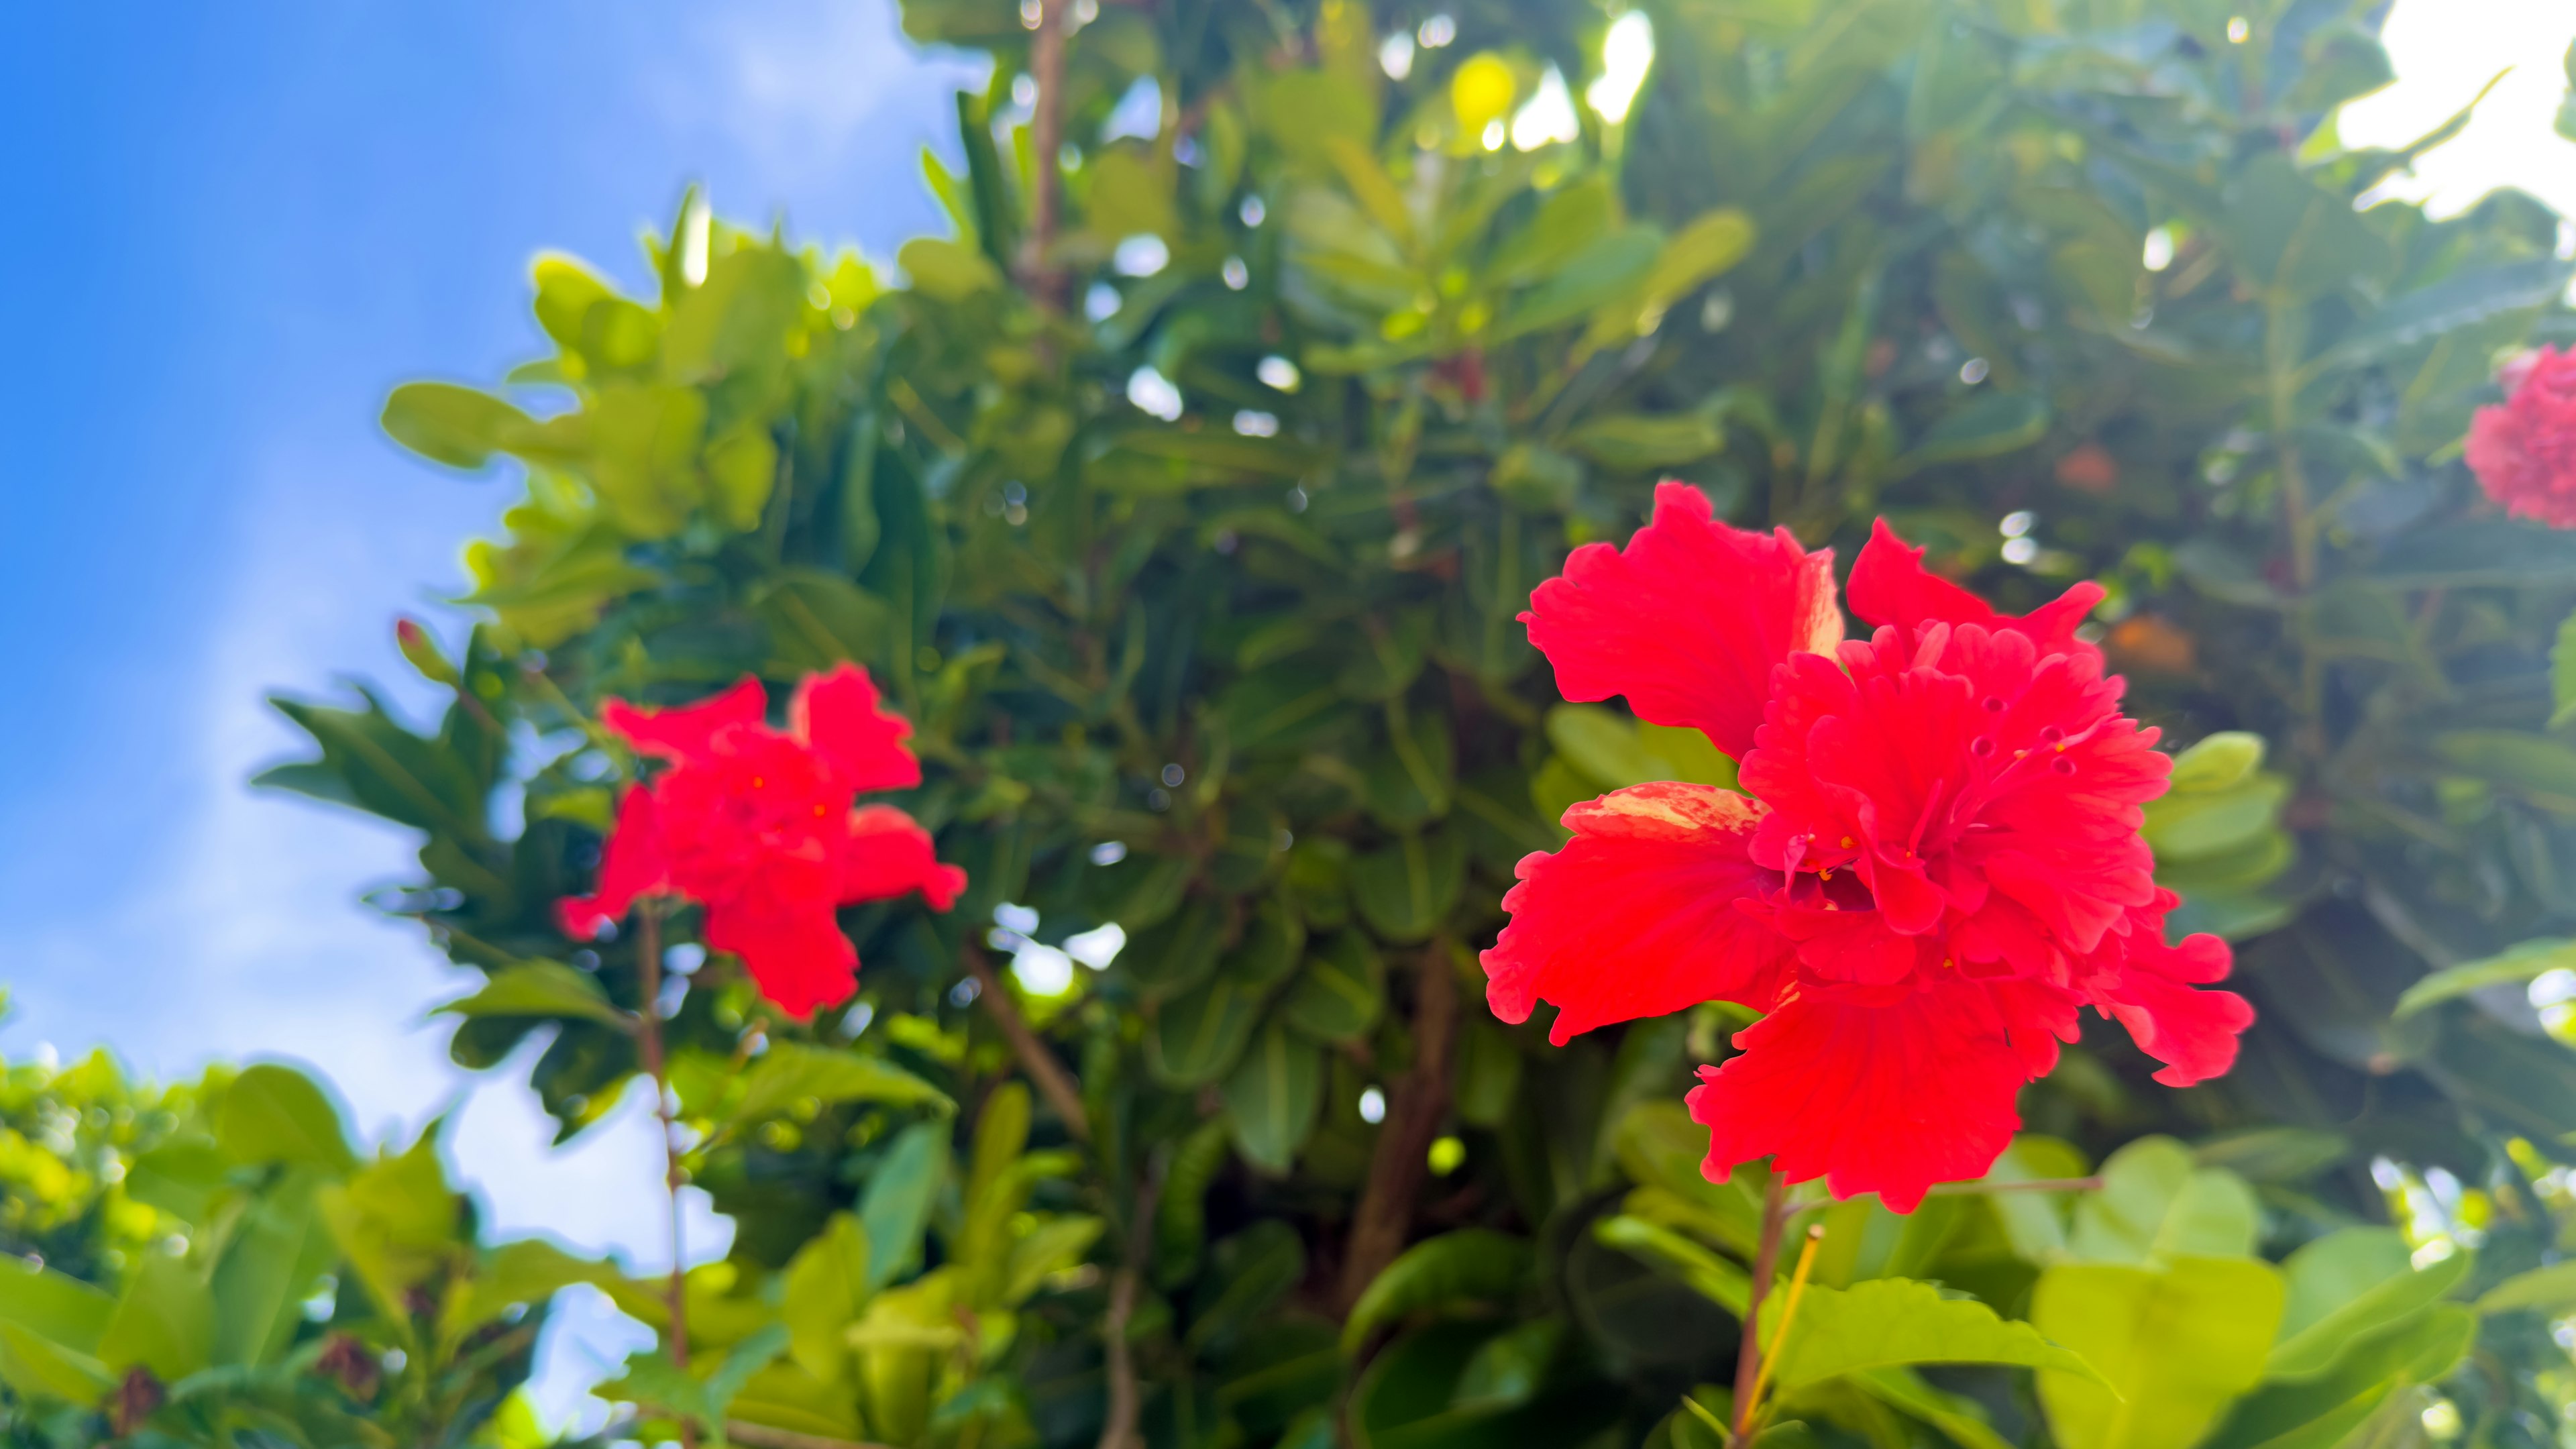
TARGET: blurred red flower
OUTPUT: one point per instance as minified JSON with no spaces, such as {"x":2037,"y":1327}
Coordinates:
{"x":1936,"y":860}
{"x":2524,"y":451}
{"x":757,"y":825}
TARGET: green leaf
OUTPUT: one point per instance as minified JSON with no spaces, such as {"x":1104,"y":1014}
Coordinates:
{"x":1636,"y":443}
{"x":1340,"y":992}
{"x":458,"y":426}
{"x":818,"y":619}
{"x":269,"y":1267}
{"x":946,"y":270}
{"x":39,"y":1367}
{"x":1177,"y":953}
{"x":1272,"y":1095}
{"x":2173,"y":1347}
{"x":827,"y":1286}
{"x":2155,"y":1204}
{"x":1248,"y":1276}
{"x":790,"y":1072}
{"x":1471,"y":1265}
{"x":1198,"y":1035}
{"x":2562,"y":674}
{"x":2477,"y":553}
{"x":165,"y":1322}
{"x":2516,"y":964}
{"x":1891,"y":1322}
{"x":2446,"y":306}
{"x":895,"y":1206}
{"x":2218,"y":762}
{"x":2539,"y":768}
{"x":540,"y":988}
{"x":2552,"y":1288}
{"x":2325,"y":1411}
{"x":2345,"y":1286}
{"x":2212,"y":822}
{"x":52,"y":1305}
{"x":1720,"y":1280}
{"x":1988,"y":425}
{"x":276,"y":1114}
{"x":1405,"y":890}
{"x":529,"y":1271}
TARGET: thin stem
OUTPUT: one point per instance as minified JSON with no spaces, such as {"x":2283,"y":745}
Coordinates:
{"x":1061,"y":1092}
{"x":648,"y":1035}
{"x":1766,"y":1266}
{"x":1118,"y":1430}
{"x":1788,"y":1313}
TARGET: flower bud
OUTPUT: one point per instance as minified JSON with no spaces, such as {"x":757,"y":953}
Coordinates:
{"x":423,"y":652}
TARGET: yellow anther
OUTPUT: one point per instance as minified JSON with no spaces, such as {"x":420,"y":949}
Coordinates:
{"x":1847,"y":842}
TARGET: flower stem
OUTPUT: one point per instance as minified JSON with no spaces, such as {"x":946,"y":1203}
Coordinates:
{"x":648,"y":1036}
{"x":1788,"y":1311}
{"x":1766,"y":1265}
{"x":1058,"y":1085}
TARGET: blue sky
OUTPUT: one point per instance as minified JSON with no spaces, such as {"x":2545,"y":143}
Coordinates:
{"x":233,"y":229}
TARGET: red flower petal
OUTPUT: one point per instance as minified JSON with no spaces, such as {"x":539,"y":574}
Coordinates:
{"x":794,"y":951}
{"x":1688,"y":622}
{"x":686,"y":733}
{"x":2193,"y":1032}
{"x":635,"y":862}
{"x":837,"y":714}
{"x":1876,"y":1089}
{"x":888,"y":854}
{"x":1636,"y":915}
{"x":1890,"y":586}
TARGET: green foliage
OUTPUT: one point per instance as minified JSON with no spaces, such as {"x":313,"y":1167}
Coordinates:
{"x":1198,"y":581}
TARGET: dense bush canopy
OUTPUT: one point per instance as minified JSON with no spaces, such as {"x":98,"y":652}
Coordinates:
{"x":1184,"y":500}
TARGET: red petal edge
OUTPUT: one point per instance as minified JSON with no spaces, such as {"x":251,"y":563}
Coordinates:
{"x":1636,"y":915}
{"x":837,"y":713}
{"x":1890,"y":586}
{"x":687,"y":732}
{"x":1688,"y":621}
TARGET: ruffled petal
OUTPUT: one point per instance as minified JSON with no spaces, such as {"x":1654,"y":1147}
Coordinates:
{"x":1875,"y":1089}
{"x":837,"y":713}
{"x":794,"y":950}
{"x":1890,"y":586}
{"x":1688,"y":621}
{"x":2193,"y":1032}
{"x":687,"y":732}
{"x":889,"y":854}
{"x":1637,"y":914}
{"x":636,"y":861}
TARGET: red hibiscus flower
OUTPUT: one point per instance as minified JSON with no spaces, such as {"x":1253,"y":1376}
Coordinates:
{"x":1935,"y":863}
{"x":757,"y":825}
{"x":2524,"y":452}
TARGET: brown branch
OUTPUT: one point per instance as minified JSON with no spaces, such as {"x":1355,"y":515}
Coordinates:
{"x":761,"y":1436}
{"x":1061,"y":1092}
{"x":1046,"y":140}
{"x":1420,"y":1101}
{"x":648,"y":1036}
{"x":1118,"y":1430}
{"x":1766,"y":1266}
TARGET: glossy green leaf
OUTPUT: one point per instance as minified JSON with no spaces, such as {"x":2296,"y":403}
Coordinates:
{"x":2347,"y":1285}
{"x":2514,"y":965}
{"x":1894,"y":1322}
{"x":1404,"y":890}
{"x":1470,"y":1265}
{"x":542,"y":989}
{"x":274,"y":1114}
{"x":792,"y":1072}
{"x":900,"y":1192}
{"x":1198,"y":1035}
{"x":1339,"y":992}
{"x":1271,"y":1097}
{"x":2172,"y":1346}
{"x":2155,"y":1205}
{"x":457,"y":426}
